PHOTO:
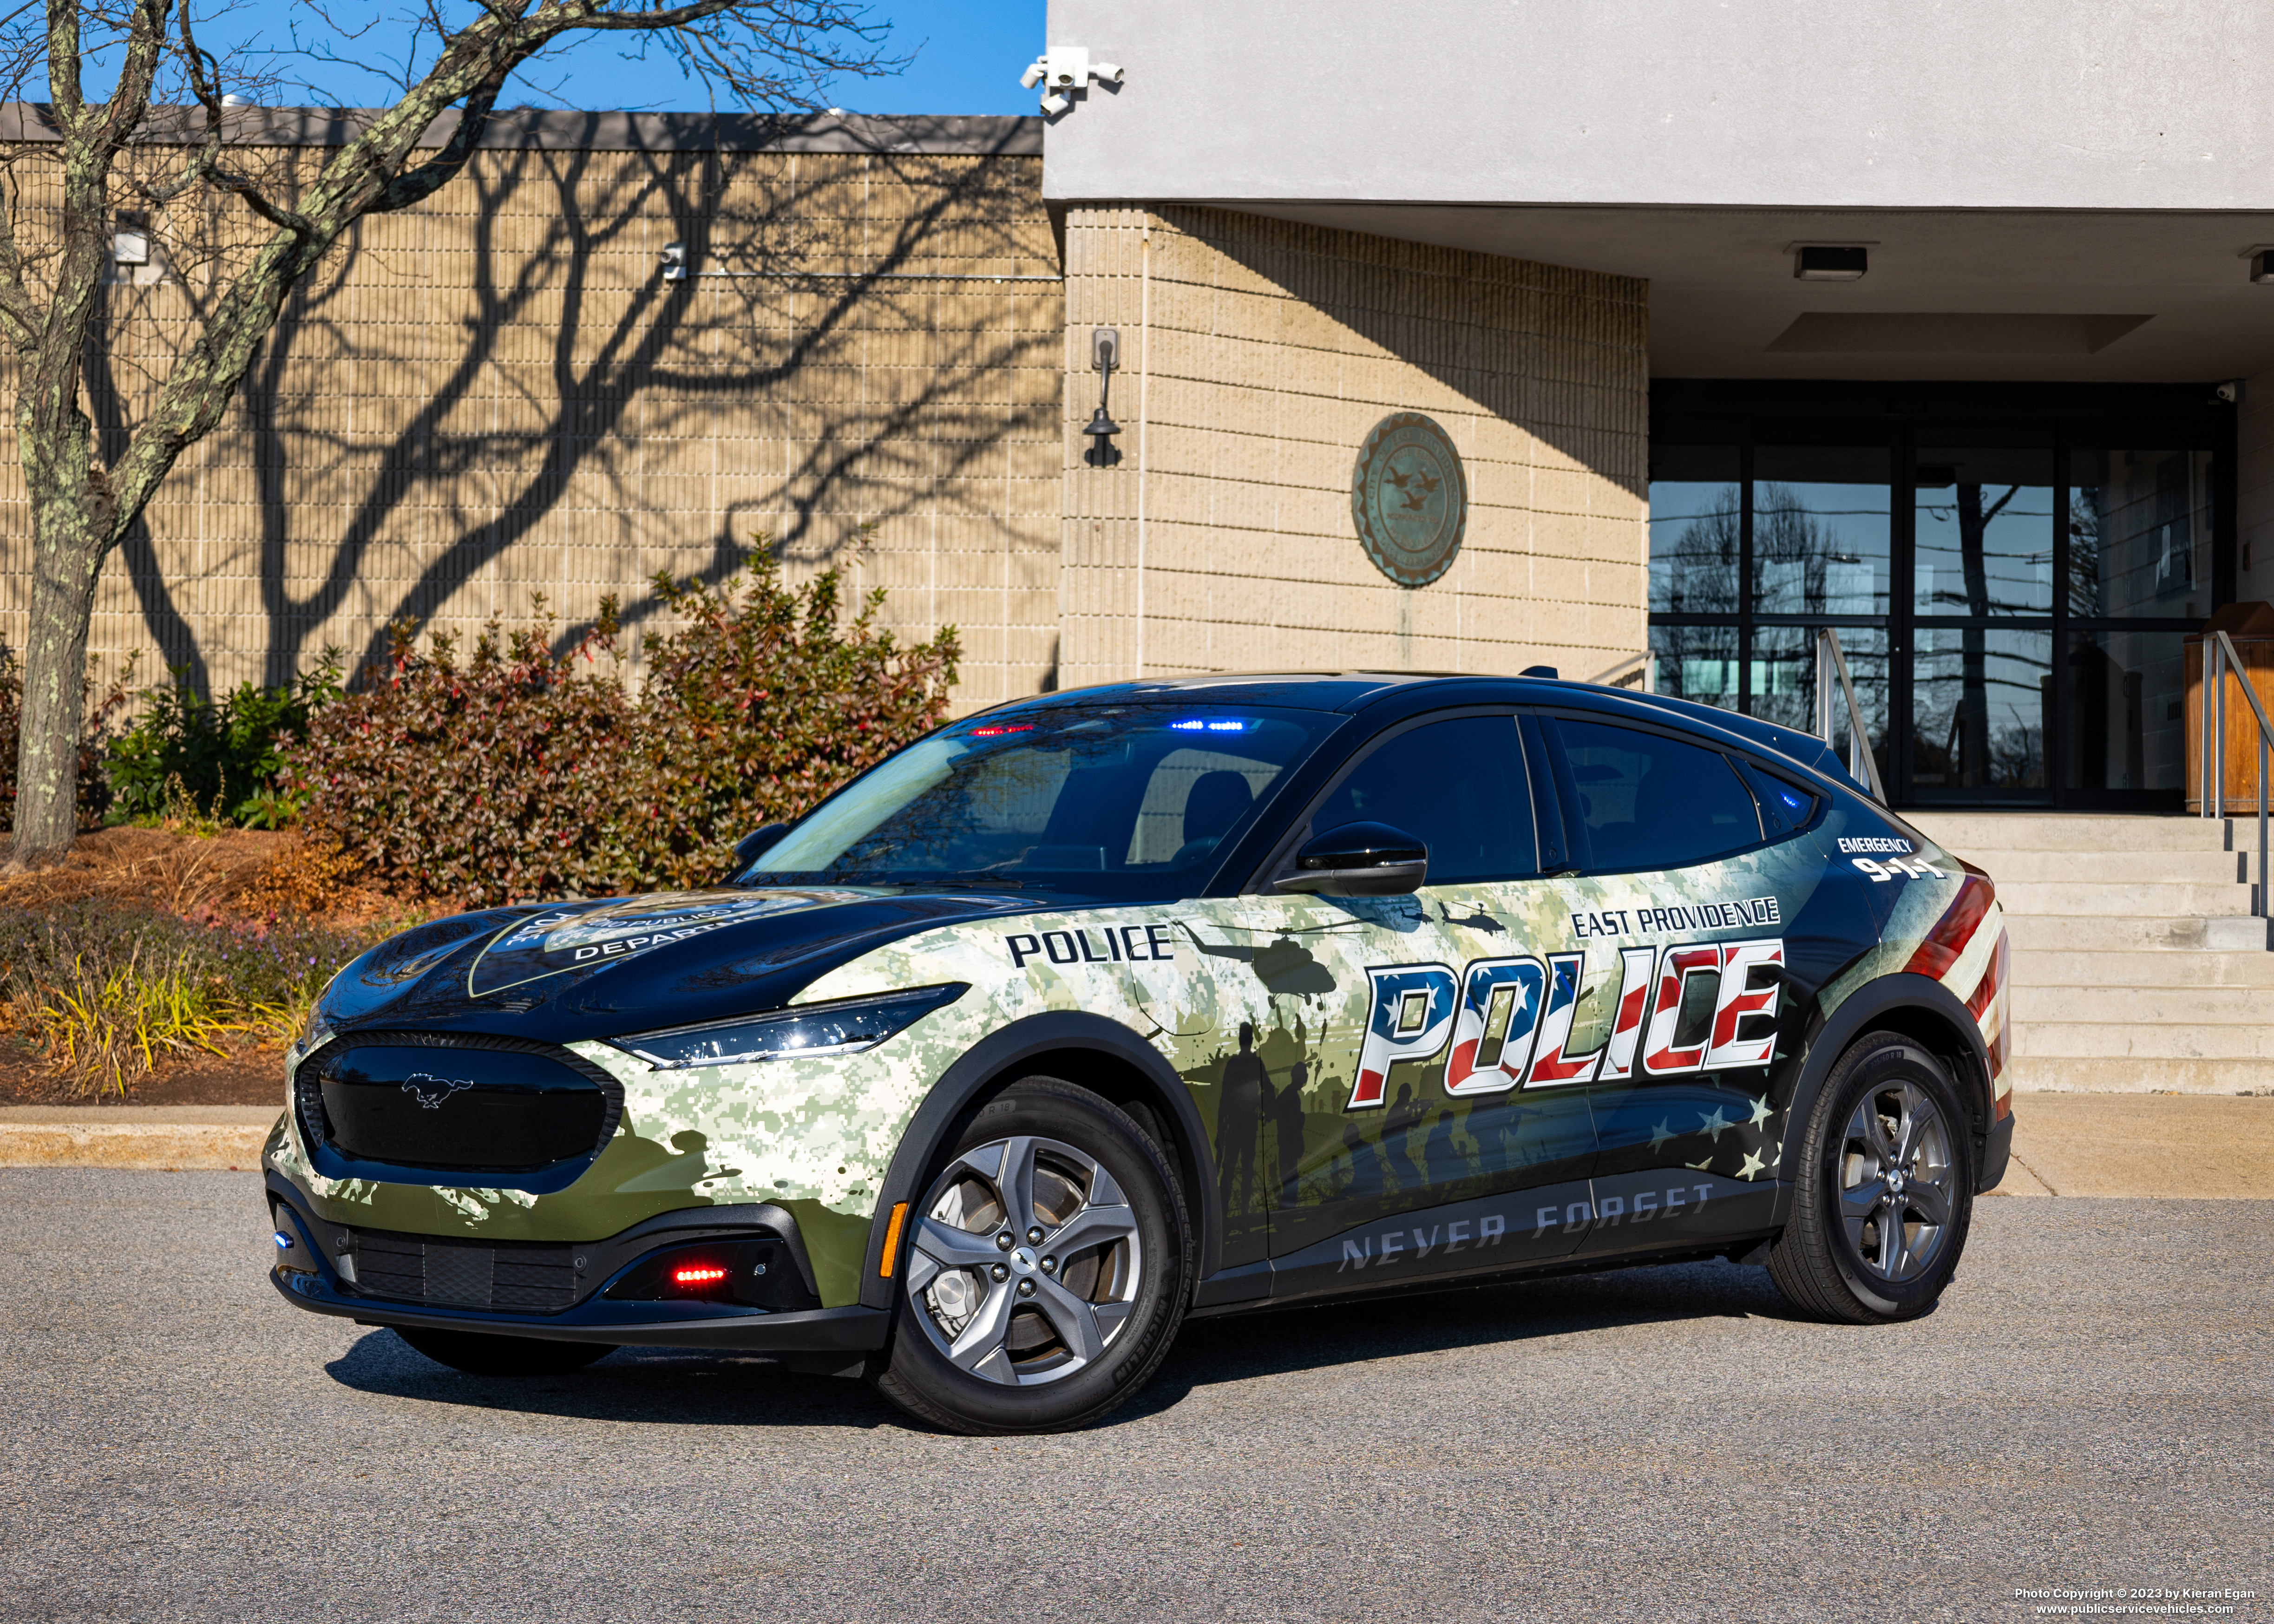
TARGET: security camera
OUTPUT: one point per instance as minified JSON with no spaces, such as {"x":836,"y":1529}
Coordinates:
{"x":2229,"y":392}
{"x":1065,"y":72}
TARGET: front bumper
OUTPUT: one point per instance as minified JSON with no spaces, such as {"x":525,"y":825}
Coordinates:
{"x":316,"y":1272}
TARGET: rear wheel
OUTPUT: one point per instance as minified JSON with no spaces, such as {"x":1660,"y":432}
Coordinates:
{"x":480,"y":1355}
{"x":1046,"y":1268}
{"x":1886,"y":1188}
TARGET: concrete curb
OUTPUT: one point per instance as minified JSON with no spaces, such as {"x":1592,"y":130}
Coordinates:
{"x":214,"y":1138}
{"x":2193,"y":1147}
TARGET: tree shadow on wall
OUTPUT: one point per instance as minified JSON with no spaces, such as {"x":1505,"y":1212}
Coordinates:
{"x":568,"y":373}
{"x":1566,"y":387}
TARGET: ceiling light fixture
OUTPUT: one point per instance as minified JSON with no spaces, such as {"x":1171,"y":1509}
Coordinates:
{"x":1830,"y":261}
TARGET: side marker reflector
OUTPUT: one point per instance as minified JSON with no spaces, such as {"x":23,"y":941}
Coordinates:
{"x":892,"y":1240}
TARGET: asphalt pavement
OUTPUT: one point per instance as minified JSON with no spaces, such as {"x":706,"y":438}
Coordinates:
{"x":2088,"y":1407}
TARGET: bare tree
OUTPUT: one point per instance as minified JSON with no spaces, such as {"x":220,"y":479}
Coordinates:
{"x":171,"y":149}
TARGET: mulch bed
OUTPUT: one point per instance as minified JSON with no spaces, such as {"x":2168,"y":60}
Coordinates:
{"x":226,"y":877}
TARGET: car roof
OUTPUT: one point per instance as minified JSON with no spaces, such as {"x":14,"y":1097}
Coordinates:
{"x":1352,"y":691}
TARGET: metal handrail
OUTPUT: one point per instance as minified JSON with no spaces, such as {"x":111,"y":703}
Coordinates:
{"x":1863,"y":766}
{"x":1645,"y":665}
{"x":2219,"y":658}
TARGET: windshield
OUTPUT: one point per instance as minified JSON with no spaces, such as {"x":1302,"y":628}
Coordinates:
{"x":1130,"y":800}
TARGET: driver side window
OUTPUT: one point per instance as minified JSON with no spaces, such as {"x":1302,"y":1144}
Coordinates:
{"x":1459,"y":785}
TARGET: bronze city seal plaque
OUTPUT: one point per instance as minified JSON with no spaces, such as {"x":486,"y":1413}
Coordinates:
{"x":1410,"y":498}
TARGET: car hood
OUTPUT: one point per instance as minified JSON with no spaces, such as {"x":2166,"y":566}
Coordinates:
{"x":572,"y":969}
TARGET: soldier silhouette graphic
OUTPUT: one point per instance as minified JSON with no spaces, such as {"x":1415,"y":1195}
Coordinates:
{"x":1246,"y":1086}
{"x":1285,"y":1110}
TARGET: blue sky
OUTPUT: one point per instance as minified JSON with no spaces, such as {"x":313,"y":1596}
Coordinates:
{"x":968,"y":55}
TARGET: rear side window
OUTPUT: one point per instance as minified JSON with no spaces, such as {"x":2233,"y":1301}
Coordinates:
{"x":1648,"y":802}
{"x":1459,"y":785}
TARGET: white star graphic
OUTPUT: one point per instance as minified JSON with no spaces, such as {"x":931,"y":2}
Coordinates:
{"x":1699,"y":1167}
{"x":1749,"y":1166}
{"x":1714,"y":1124}
{"x":1761,"y":1112}
{"x":1660,"y":1134}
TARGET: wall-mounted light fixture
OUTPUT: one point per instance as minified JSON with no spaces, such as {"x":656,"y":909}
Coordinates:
{"x":1064,"y":71}
{"x":674,"y":262}
{"x":1830,"y":261}
{"x":1104,"y":356}
{"x":129,"y":241}
{"x":2261,"y":264}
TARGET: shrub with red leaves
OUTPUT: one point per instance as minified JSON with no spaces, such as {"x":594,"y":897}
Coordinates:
{"x":521,"y":774}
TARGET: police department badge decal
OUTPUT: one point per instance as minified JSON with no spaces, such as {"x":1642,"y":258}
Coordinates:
{"x":1410,"y":498}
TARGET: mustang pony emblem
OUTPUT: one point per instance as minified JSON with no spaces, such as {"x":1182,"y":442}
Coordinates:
{"x":431,"y":1090}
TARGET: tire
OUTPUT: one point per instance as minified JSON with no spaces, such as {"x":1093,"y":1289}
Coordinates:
{"x":1886,"y":1195}
{"x":479,"y":1354}
{"x":1001,"y":1327}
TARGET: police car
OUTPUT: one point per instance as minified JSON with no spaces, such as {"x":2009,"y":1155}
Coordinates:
{"x":1103,"y":1010}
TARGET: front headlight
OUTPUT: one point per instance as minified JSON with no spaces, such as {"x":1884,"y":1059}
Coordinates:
{"x":843,"y":1028}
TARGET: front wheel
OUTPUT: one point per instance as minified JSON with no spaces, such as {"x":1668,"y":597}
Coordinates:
{"x":1046,"y":1268}
{"x":1887,"y":1188}
{"x":480,"y":1355}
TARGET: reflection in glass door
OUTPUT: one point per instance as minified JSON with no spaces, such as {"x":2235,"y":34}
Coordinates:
{"x":1982,"y":600}
{"x":1821,"y":557}
{"x":2138,"y":578}
{"x":2011,"y":586}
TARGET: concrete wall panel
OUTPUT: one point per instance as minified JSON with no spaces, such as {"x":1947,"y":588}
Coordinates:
{"x":1259,"y":354}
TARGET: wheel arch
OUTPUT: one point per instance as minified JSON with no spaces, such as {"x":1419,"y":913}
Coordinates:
{"x":1919,"y":1008}
{"x":1089,"y":1050}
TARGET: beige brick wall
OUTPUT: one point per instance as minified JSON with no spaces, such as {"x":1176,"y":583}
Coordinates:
{"x":1258,"y":354}
{"x":495,"y":393}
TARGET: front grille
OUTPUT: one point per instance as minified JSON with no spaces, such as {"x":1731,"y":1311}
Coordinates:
{"x":538,"y":1275}
{"x":455,"y":1104}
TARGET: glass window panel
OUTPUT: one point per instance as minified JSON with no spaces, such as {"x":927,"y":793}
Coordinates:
{"x":2126,"y":721}
{"x":2139,"y":533}
{"x":1820,"y":529}
{"x":1695,"y":517}
{"x":1648,"y":802}
{"x":1985,"y":532}
{"x":1978,"y":707}
{"x":1459,"y":786}
{"x":1697,"y":663}
{"x":1784,"y":685}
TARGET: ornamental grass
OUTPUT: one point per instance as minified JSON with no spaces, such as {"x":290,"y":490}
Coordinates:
{"x":107,"y":991}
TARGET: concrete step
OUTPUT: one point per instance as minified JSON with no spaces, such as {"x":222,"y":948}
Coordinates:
{"x":2152,"y":900}
{"x":2069,"y":966}
{"x":2115,"y":1001}
{"x":2116,"y":868}
{"x":2085,"y":933}
{"x":1969,"y":832}
{"x":2035,"y":1074}
{"x":2081,"y":1040}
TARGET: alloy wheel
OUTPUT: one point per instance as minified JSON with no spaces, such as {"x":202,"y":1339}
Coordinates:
{"x":1025,"y":1263}
{"x":1898,"y":1181}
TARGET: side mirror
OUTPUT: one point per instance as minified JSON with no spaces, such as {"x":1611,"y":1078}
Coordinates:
{"x":1358,"y":859}
{"x":756,"y":844}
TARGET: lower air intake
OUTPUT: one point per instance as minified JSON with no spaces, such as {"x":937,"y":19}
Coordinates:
{"x":531,"y":1276}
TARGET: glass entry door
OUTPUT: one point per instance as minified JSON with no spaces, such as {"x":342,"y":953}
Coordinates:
{"x":1981,"y":612}
{"x":2010,"y":592}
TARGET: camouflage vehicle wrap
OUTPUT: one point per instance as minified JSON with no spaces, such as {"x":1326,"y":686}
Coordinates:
{"x":1361,"y":1091}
